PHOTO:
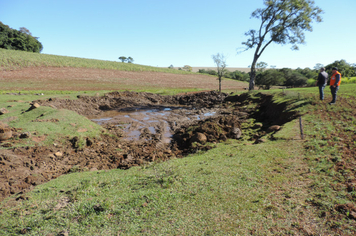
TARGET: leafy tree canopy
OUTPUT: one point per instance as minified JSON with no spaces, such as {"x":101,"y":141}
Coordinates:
{"x":220,"y":62}
{"x":307,"y":72}
{"x":346,"y":69}
{"x":269,"y":78}
{"x":282,"y":22}
{"x":123,"y":58}
{"x":130,"y":60}
{"x":18,"y":39}
{"x":187,"y":68}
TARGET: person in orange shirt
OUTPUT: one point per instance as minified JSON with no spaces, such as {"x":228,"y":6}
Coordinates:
{"x":335,"y":81}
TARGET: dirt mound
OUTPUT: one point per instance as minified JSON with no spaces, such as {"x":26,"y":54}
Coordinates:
{"x":193,"y":137}
{"x":194,"y":120}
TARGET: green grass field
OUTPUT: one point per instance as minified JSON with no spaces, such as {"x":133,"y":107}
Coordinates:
{"x":284,"y":186}
{"x":277,"y":187}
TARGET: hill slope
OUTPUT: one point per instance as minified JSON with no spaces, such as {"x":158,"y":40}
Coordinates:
{"x":32,"y":71}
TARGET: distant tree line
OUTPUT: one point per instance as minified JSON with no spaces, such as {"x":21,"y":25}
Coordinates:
{"x":18,"y":39}
{"x":265,"y":78}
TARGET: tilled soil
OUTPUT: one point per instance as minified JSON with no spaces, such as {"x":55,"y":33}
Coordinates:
{"x":86,"y":79}
{"x":190,"y":127}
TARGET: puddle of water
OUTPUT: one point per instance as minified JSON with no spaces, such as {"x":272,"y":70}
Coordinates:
{"x":209,"y":113}
{"x":101,"y":121}
{"x":167,"y":135}
{"x":152,"y":129}
{"x":133,"y":135}
{"x":134,"y":119}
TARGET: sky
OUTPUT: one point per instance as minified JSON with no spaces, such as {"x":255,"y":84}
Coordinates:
{"x":170,"y":32}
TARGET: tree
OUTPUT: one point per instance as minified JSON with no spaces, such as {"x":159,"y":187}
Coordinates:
{"x":318,"y":66}
{"x":220,"y":62}
{"x":269,"y":78}
{"x":261,"y":66}
{"x":343,"y":67}
{"x":296,"y":80}
{"x":129,"y":60}
{"x":25,"y":31}
{"x":187,"y":68}
{"x":293,"y":78}
{"x":122,"y":58}
{"x":238,"y":75}
{"x":282,"y":22}
{"x":307,"y":72}
{"x":18,"y":39}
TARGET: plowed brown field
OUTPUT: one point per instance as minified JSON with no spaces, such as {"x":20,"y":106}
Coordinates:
{"x":85,"y":79}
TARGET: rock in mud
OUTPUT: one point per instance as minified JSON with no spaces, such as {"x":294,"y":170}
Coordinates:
{"x":58,"y":154}
{"x":5,"y":132}
{"x":199,"y":137}
{"x":273,"y":128}
{"x":3,"y":111}
{"x":34,"y":105}
{"x":236,"y":133}
{"x":260,"y":140}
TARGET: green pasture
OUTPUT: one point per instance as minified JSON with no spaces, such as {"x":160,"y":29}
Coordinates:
{"x":238,"y":188}
{"x":283,"y":186}
{"x":228,"y":190}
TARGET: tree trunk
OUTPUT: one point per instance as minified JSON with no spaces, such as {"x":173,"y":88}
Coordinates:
{"x":253,"y":73}
{"x":252,"y":80}
{"x":219,"y":84}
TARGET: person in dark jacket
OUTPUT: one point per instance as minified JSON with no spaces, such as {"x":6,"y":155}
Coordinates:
{"x":321,"y":82}
{"x":335,"y":81}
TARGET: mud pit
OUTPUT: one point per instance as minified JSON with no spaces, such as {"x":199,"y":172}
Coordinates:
{"x":141,"y":128}
{"x":157,"y":123}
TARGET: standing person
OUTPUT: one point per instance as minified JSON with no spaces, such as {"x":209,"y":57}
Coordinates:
{"x":321,"y":82}
{"x":335,"y":81}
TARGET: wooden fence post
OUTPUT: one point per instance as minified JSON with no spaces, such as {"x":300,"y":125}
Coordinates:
{"x":301,"y":127}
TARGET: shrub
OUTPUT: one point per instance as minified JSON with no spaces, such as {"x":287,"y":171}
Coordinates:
{"x":352,"y":80}
{"x":203,"y":71}
{"x":311,"y":82}
{"x":294,"y":78}
{"x":212,"y":72}
{"x":271,"y":77}
{"x":345,"y":80}
{"x":238,"y":75}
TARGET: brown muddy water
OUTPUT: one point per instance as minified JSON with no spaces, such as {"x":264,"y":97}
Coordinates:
{"x":147,"y":122}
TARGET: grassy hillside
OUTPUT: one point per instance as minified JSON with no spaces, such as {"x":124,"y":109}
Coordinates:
{"x":23,"y":71}
{"x":13,"y":59}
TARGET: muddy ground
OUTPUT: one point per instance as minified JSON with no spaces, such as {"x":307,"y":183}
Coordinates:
{"x":141,"y":128}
